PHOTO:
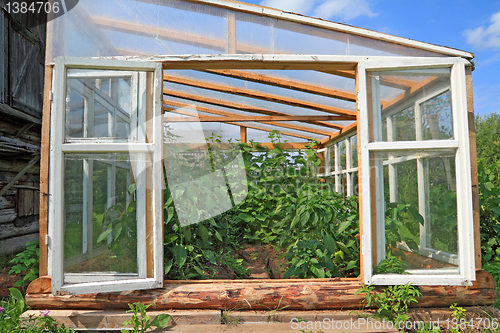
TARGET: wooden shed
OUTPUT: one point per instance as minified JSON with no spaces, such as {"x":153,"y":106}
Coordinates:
{"x":132,"y":85}
{"x":22,"y":47}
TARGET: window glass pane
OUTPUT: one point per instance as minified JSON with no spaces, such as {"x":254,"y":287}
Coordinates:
{"x":73,"y":208}
{"x":331,"y":151}
{"x":410,"y":105}
{"x":355,"y":183}
{"x":419,"y":212}
{"x":101,"y":217}
{"x":436,"y":117}
{"x":99,"y":105}
{"x":401,"y":126}
{"x":354,"y":149}
{"x":342,"y":155}
{"x":441,"y":203}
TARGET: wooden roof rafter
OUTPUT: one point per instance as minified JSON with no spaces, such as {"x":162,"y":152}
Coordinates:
{"x":194,"y":114}
{"x":285,"y":83}
{"x":241,"y":107}
{"x":180,"y":36}
{"x":178,"y":106}
{"x":258,"y":95}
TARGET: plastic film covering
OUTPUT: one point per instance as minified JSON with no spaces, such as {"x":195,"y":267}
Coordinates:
{"x":159,"y":27}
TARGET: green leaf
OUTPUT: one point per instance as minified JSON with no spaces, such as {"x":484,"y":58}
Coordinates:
{"x":168,"y":266}
{"x":132,"y":188}
{"x":180,"y":255}
{"x":104,"y":235}
{"x":203,"y":231}
{"x":16,"y":294}
{"x":161,"y":320}
{"x":218,"y":236}
{"x":329,"y":243}
{"x":343,"y":226}
{"x":170,"y":238}
{"x":210,"y":256}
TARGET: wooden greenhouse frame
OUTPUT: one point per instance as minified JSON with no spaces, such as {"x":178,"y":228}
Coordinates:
{"x":331,"y":126}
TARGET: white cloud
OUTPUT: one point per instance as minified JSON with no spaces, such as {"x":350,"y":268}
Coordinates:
{"x":343,"y":9}
{"x":296,"y":6}
{"x":485,"y":36}
{"x":339,"y":10}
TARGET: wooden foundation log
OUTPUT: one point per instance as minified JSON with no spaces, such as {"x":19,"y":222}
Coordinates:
{"x":320,"y":294}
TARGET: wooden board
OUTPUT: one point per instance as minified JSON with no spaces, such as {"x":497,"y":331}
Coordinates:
{"x":263,"y":294}
{"x":44,"y":171}
{"x":473,"y":168}
{"x":11,"y":245}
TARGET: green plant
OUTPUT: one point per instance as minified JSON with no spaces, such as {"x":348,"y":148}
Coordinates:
{"x":493,"y":267}
{"x":141,"y":321}
{"x":392,"y":303}
{"x":400,"y":224}
{"x":273,"y":315}
{"x":120,"y":223}
{"x":26,"y":261}
{"x":227,"y":319}
{"x":285,"y":203}
{"x":489,"y":201}
{"x":11,"y":310}
{"x":236,"y":265}
{"x":311,"y":258}
{"x":457,"y":312}
{"x":390,"y":264}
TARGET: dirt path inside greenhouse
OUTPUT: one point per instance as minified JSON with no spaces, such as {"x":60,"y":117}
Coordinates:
{"x":263,"y":261}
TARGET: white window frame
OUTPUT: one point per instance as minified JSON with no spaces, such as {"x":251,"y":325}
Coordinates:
{"x":349,"y":171}
{"x":466,"y":273}
{"x":92,"y":282}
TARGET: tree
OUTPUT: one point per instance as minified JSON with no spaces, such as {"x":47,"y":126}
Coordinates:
{"x":488,"y":138}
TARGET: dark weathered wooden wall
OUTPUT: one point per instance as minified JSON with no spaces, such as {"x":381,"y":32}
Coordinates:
{"x":22,"y":56}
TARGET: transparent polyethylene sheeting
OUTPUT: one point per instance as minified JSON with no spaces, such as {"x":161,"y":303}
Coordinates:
{"x":159,"y":27}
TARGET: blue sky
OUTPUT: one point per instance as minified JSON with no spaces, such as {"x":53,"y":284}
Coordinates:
{"x":472,"y":26}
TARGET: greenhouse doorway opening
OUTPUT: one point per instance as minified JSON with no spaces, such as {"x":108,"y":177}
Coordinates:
{"x":345,"y":114}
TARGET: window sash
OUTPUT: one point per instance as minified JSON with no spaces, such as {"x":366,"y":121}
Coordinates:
{"x":117,"y":282}
{"x":466,"y":272}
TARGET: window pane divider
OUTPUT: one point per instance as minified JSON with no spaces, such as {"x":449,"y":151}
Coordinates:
{"x":104,"y":147}
{"x":413,"y":145}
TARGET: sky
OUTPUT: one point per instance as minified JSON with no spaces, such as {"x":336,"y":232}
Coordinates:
{"x":468,"y":25}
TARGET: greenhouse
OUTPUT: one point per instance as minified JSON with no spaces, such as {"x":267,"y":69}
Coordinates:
{"x":181,"y":137}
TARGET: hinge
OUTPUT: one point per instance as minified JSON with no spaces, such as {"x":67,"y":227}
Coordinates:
{"x":51,"y":96}
{"x":47,"y":240}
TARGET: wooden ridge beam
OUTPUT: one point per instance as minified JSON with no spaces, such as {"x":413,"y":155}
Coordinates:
{"x":284,"y":83}
{"x":258,"y":95}
{"x":240,"y":107}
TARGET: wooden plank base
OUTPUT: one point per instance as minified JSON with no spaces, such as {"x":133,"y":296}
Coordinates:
{"x":319,"y":294}
{"x":217,"y":321}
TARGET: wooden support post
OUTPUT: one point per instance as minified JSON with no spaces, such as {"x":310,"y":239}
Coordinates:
{"x":473,"y":167}
{"x":243,"y":134}
{"x":44,"y":170}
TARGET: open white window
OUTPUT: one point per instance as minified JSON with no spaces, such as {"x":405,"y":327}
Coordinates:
{"x":415,"y":164}
{"x":105,"y":176}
